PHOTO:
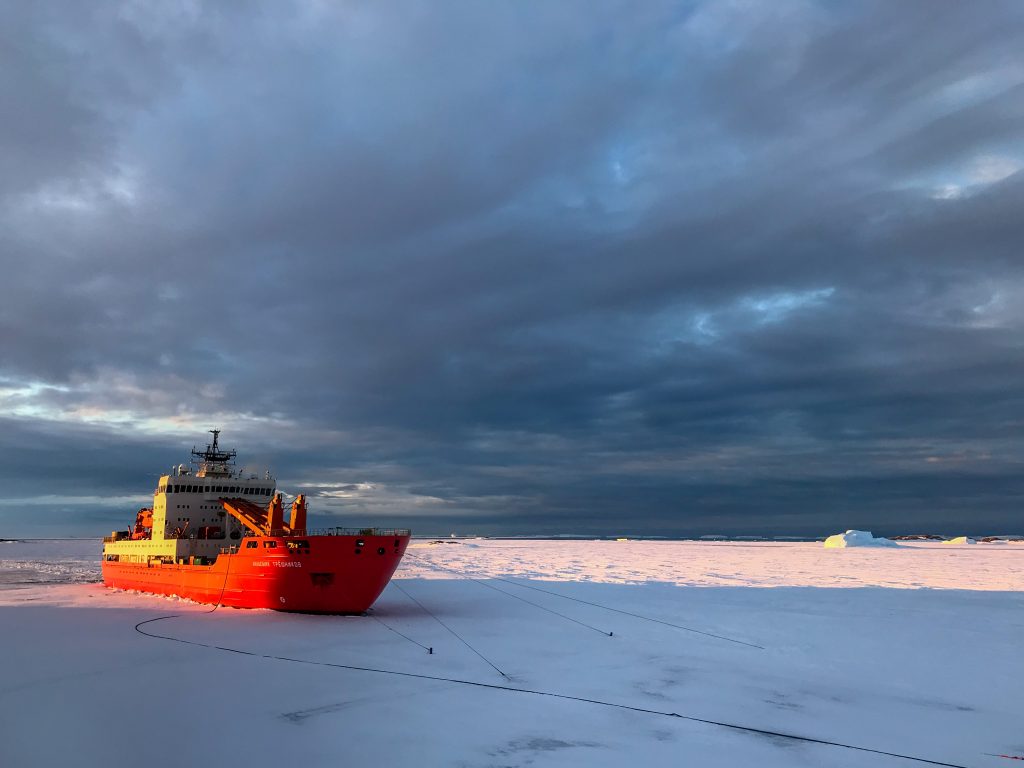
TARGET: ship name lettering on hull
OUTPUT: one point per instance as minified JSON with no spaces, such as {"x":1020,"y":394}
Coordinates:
{"x":278,"y":563}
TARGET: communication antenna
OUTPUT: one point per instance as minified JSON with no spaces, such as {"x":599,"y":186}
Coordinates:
{"x":213,"y":459}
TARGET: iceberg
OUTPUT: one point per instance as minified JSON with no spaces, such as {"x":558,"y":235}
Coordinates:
{"x":857,"y":539}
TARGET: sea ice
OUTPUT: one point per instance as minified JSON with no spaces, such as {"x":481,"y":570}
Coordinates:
{"x":79,"y":686}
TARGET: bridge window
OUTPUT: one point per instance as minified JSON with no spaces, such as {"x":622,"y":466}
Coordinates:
{"x":270,"y":545}
{"x":251,"y":544}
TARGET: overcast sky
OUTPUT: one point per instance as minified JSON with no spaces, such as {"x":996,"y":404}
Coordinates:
{"x":518,"y":267}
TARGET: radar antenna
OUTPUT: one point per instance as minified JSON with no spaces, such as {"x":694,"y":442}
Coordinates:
{"x":213,"y":459}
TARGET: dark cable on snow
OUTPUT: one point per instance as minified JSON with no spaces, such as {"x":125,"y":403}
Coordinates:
{"x":511,"y":689}
{"x":457,"y":635}
{"x":220,"y":599}
{"x":596,"y":605}
{"x":636,"y":615}
{"x":542,"y":607}
{"x":517,"y":597}
{"x":388,"y":626}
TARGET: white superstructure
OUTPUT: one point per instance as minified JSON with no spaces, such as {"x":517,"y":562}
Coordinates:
{"x":187,"y":517}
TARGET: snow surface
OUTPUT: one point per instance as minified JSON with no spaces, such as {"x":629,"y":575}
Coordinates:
{"x":857,"y":648}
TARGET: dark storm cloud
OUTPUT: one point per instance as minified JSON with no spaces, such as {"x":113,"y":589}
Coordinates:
{"x":696,"y":268}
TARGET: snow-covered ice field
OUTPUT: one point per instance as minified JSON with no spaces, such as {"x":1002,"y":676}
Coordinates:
{"x":915,"y":650}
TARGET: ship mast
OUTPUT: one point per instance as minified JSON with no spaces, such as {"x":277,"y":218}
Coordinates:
{"x":213,"y":462}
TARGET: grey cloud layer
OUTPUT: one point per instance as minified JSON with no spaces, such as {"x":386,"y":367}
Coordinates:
{"x":707,"y":267}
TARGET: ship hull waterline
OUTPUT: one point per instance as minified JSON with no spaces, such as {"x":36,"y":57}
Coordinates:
{"x":333,"y":574}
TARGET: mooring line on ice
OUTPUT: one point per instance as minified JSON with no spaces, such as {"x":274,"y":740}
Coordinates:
{"x":550,"y":694}
{"x":634,"y":615}
{"x":542,"y":607}
{"x":217,"y":605}
{"x":523,"y":599}
{"x":587,"y":602}
{"x":370,"y":613}
{"x":457,"y":635}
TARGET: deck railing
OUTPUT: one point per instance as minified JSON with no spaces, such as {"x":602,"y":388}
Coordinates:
{"x":336,"y":531}
{"x":359,"y":532}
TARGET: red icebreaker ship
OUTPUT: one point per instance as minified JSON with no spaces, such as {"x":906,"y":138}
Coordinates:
{"x":219,"y":535}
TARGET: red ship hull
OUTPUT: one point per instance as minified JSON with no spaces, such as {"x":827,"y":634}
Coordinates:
{"x":333,"y":574}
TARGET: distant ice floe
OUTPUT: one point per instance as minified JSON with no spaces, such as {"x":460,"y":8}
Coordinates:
{"x":857,"y":539}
